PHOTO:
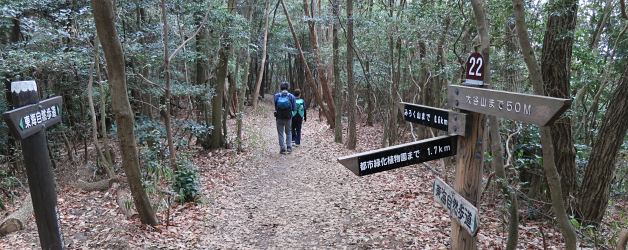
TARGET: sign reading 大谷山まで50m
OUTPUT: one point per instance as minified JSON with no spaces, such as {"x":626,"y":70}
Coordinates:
{"x":28,"y":120}
{"x":535,"y":109}
{"x":401,"y":155}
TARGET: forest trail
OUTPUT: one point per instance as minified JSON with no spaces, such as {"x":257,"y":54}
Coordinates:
{"x":294,"y":200}
{"x":306,"y":199}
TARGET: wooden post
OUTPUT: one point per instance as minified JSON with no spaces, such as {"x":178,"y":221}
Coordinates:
{"x":469,"y":174}
{"x":39,"y":171}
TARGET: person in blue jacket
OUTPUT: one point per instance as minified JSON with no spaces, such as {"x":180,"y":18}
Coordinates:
{"x":298,"y":117}
{"x":284,"y":106}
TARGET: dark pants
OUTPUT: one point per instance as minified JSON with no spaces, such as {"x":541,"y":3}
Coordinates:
{"x":297,"y":121}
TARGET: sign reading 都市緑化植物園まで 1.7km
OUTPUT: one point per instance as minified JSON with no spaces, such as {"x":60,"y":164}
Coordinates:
{"x":379,"y":160}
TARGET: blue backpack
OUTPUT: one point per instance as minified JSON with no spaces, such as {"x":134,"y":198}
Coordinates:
{"x":284,"y":107}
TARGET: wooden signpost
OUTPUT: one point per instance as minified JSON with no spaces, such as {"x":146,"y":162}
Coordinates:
{"x":465,"y":141}
{"x":28,"y":123}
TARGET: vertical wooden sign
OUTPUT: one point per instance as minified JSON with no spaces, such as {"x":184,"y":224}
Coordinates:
{"x":37,"y":159}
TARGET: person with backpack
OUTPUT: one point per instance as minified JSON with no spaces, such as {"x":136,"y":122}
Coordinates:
{"x":284,"y":105}
{"x":298,"y":117}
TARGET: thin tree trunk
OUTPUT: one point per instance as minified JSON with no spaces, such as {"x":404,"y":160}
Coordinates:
{"x":243,"y":83}
{"x":549,"y":167}
{"x":320,"y":66}
{"x":261,"y":70}
{"x":338,"y":86}
{"x":172,"y":153}
{"x":105,"y":25}
{"x":351,"y":99}
{"x":90,"y":99}
{"x":103,"y":114}
{"x":308,"y":73}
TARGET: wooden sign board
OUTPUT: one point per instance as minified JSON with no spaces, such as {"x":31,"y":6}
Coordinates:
{"x":400,"y":155}
{"x":475,"y":69}
{"x":535,"y":109}
{"x":458,"y":207}
{"x":441,"y":119}
{"x":28,"y":120}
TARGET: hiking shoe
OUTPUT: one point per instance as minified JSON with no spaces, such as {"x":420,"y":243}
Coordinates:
{"x":289,"y":150}
{"x":283,"y":152}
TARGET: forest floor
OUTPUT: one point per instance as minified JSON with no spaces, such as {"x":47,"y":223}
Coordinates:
{"x":261,"y":199}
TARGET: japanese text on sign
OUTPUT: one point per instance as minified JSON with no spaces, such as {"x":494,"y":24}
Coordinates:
{"x":459,"y":208}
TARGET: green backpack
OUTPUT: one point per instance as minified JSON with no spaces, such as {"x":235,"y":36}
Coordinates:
{"x":300,"y":107}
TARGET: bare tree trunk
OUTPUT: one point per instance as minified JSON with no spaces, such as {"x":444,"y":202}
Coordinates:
{"x":103,"y":114}
{"x":90,"y":99}
{"x":549,"y":167}
{"x":308,"y":73}
{"x":600,"y":171}
{"x":555,"y":67}
{"x":105,"y":25}
{"x":261,"y":70}
{"x":595,"y":37}
{"x":338,"y":86}
{"x":320,"y":66}
{"x":351,"y":99}
{"x":243,"y":84}
{"x":172,"y":153}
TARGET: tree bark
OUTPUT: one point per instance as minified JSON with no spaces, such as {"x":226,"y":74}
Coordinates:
{"x":168,"y":112}
{"x":556,"y":70}
{"x":261,"y":70}
{"x":600,"y":170}
{"x":338,"y":86}
{"x":105,"y":25}
{"x":243,"y":83}
{"x":18,"y":219}
{"x":351,"y":99}
{"x":549,"y":167}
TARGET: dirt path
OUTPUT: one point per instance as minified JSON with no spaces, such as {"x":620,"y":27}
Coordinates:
{"x":305,"y":199}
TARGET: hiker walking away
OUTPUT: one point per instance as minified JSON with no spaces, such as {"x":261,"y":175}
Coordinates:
{"x":284,"y":105}
{"x":298,"y":117}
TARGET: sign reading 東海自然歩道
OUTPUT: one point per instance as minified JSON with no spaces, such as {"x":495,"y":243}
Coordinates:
{"x":30,"y":119}
{"x":457,"y":206}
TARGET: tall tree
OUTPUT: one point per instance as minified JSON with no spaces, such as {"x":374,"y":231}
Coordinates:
{"x":556,"y":70}
{"x":167,"y":113}
{"x":351,"y":99}
{"x":600,"y":169}
{"x":105,"y":26}
{"x":218,"y":139}
{"x":260,"y":76}
{"x":338,"y":86}
{"x":308,"y":72}
{"x":320,"y":66}
{"x":549,"y":165}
